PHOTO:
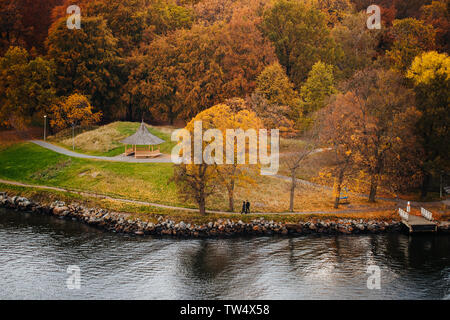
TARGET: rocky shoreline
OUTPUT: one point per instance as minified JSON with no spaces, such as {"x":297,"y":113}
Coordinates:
{"x":120,"y":223}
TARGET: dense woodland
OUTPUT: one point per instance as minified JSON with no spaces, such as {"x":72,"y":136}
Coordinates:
{"x":379,"y":97}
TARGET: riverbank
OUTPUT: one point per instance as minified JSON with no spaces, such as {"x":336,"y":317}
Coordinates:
{"x":122,"y":222}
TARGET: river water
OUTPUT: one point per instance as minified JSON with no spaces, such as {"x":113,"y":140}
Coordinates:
{"x":36,"y":250}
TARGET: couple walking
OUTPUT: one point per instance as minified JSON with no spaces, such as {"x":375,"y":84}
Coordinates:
{"x":245,"y":207}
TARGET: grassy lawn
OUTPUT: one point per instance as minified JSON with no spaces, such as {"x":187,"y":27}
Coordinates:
{"x":104,"y":140}
{"x":29,"y":163}
{"x":26,"y":162}
{"x":151,"y":214}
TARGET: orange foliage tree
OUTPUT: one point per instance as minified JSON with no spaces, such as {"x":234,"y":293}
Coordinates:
{"x":73,"y":111}
{"x":190,"y":70}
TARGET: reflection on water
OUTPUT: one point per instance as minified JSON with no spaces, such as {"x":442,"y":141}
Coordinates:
{"x":35,"y":251}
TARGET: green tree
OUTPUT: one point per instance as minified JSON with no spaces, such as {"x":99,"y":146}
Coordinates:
{"x":301,"y":37}
{"x":26,"y":86}
{"x":318,"y":87}
{"x":430,"y":74}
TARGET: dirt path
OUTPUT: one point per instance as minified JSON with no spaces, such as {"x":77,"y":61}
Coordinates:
{"x":152,"y":204}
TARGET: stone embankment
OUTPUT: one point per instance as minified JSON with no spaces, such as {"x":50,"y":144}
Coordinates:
{"x":121,"y":223}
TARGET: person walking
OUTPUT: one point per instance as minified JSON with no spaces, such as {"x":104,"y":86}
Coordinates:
{"x":247,"y":207}
{"x":243,"y":207}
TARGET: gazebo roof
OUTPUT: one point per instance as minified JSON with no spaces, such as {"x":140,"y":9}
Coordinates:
{"x":142,"y":137}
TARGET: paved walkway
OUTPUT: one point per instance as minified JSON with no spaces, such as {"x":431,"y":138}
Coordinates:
{"x":152,"y":204}
{"x":119,"y":158}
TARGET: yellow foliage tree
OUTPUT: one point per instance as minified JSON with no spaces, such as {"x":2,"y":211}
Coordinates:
{"x":73,"y":111}
{"x":198,"y":181}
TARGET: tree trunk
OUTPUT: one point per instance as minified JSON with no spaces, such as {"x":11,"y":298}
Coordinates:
{"x":291,"y":199}
{"x":202,"y":206}
{"x":373,"y":187}
{"x":338,"y":196}
{"x":338,"y":188}
{"x":231,"y":197}
{"x":129,"y":115}
{"x":425,"y":185}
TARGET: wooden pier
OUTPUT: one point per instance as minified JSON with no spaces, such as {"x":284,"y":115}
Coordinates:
{"x":418,"y":224}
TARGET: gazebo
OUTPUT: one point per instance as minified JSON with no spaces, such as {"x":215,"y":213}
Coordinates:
{"x":140,"y":143}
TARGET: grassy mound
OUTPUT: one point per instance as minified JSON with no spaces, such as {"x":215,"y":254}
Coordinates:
{"x":104,"y":140}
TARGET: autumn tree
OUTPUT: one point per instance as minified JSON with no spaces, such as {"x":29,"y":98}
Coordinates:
{"x":233,"y":114}
{"x":210,"y":11}
{"x":36,"y":19}
{"x":318,"y":87}
{"x":274,"y":85}
{"x":301,"y":37}
{"x":167,"y":16}
{"x":273,"y":115}
{"x":358,"y":43}
{"x":335,"y":10}
{"x":26,"y":86}
{"x":87,"y":63}
{"x":294,"y":160}
{"x":411,"y":38}
{"x":134,"y":21}
{"x":383,"y":103}
{"x":338,"y":121}
{"x":12,"y":30}
{"x":190,"y":70}
{"x":430,"y":75}
{"x":203,"y":179}
{"x":125,"y":18}
{"x":73,"y":111}
{"x":437,"y":14}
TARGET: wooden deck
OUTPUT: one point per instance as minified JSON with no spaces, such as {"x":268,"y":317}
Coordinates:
{"x":416,"y":224}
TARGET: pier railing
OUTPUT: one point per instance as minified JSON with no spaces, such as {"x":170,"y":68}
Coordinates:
{"x":403,"y":214}
{"x":426,"y":214}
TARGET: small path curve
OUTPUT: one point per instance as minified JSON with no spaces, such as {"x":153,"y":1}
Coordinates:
{"x":152,"y":204}
{"x":119,"y":158}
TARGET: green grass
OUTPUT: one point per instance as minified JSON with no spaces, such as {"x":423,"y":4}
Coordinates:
{"x":29,"y":163}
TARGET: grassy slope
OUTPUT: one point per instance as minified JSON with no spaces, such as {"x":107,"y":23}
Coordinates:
{"x":30,"y":163}
{"x":104,"y":141}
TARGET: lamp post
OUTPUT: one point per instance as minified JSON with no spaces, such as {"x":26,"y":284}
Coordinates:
{"x":73,"y":136}
{"x":45,"y":126}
